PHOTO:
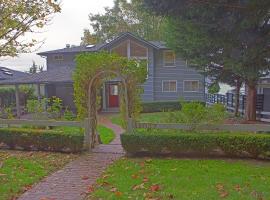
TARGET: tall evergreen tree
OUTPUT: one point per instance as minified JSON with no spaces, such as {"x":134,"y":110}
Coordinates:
{"x":126,"y":16}
{"x":231,"y":33}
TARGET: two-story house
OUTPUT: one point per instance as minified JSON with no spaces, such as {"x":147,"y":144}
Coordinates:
{"x":169,"y":77}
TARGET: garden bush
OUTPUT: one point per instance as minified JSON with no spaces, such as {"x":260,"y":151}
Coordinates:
{"x":160,"y":106}
{"x":158,"y":142}
{"x":41,"y":140}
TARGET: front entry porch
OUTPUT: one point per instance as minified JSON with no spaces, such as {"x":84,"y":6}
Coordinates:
{"x":110,"y":96}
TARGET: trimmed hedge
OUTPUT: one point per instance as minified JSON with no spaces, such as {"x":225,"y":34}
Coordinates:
{"x":160,"y":106}
{"x":40,"y":140}
{"x":198,"y":144}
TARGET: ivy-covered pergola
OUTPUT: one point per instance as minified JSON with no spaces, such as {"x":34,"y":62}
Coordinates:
{"x":92,"y":69}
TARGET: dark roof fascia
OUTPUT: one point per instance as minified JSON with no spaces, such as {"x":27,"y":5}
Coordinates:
{"x":7,"y":83}
{"x":126,"y":34}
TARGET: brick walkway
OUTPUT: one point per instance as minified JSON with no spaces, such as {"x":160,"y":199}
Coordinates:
{"x":72,"y":181}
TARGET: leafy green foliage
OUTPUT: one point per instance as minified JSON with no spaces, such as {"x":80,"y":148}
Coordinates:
{"x":42,"y":140}
{"x":69,"y":115}
{"x":36,"y":106}
{"x":195,"y":113}
{"x":21,"y":17}
{"x":55,"y":107}
{"x":160,"y":106}
{"x":230,"y":36}
{"x":20,"y":170}
{"x":124,"y":16}
{"x":88,"y":65}
{"x":106,"y":135}
{"x":214,"y":88}
{"x":197,"y":143}
{"x":7,"y":95}
{"x":183,"y":179}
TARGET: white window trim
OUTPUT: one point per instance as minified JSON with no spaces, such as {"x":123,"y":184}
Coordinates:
{"x":57,"y":55}
{"x":194,"y":90}
{"x":176,"y":88}
{"x":164,"y":65}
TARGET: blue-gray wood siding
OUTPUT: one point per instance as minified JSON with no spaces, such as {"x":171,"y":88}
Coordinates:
{"x":180,"y":73}
{"x":156,"y":74}
{"x":68,"y":61}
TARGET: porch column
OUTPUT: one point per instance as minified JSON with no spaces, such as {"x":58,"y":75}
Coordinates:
{"x":104,"y":99}
{"x":17,"y":95}
{"x":38,"y":92}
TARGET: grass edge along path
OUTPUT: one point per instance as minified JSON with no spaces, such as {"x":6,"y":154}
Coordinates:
{"x":19,"y":170}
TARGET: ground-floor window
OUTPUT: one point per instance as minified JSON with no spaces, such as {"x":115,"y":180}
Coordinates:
{"x":191,"y":86}
{"x":169,"y":86}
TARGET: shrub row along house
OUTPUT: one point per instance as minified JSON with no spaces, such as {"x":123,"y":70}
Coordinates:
{"x":169,"y":77}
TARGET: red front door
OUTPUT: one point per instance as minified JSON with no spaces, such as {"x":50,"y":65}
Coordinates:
{"x":113,"y":95}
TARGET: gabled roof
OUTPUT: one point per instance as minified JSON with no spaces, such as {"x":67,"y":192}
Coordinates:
{"x":74,"y":49}
{"x":99,"y":47}
{"x":153,"y":44}
{"x":10,"y":74}
{"x":60,"y":74}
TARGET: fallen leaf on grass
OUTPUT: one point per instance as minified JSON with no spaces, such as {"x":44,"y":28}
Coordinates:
{"x":137,"y":187}
{"x":90,"y":189}
{"x":223,"y":194}
{"x":219,"y":187}
{"x":113,"y":189}
{"x":134,"y":176}
{"x":118,"y":194}
{"x":104,"y":183}
{"x":142,"y":164}
{"x":237,"y":188}
{"x":154,"y":188}
{"x":145,"y":179}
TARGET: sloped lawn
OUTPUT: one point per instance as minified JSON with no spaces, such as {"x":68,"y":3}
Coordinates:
{"x":165,"y":179}
{"x":20,"y":170}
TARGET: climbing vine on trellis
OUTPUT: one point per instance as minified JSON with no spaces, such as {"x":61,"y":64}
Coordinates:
{"x":92,"y":69}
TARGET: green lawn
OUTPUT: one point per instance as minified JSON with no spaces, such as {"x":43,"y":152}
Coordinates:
{"x":19,"y":170}
{"x":183,"y":179}
{"x":144,"y":117}
{"x":106,"y":134}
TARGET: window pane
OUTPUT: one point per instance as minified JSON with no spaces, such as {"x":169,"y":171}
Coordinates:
{"x":121,"y":49}
{"x":166,"y":86}
{"x":169,"y":86}
{"x":191,"y":86}
{"x":172,"y":86}
{"x":137,"y":50}
{"x":169,"y":58}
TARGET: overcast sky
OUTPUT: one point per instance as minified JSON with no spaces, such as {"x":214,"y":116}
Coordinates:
{"x":66,"y":28}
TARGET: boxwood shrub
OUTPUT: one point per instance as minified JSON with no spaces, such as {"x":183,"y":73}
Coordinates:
{"x":160,"y":106}
{"x":198,"y":144}
{"x":41,"y":140}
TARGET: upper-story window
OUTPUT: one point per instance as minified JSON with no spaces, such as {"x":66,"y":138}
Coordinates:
{"x":132,"y":50}
{"x":121,"y":49}
{"x":191,"y":86}
{"x":58,"y":57}
{"x":169,"y":58}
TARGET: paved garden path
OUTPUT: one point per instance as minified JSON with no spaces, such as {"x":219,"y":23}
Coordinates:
{"x":72,"y":182}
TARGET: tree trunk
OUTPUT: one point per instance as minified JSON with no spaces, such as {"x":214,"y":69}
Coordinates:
{"x":251,"y":102}
{"x":237,"y":96}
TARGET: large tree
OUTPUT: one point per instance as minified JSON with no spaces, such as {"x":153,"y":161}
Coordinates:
{"x":20,"y":17}
{"x":231,"y":33}
{"x":125,"y":16}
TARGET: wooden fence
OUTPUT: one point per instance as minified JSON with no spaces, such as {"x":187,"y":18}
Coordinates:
{"x":228,"y":100}
{"x":219,"y":127}
{"x":82,"y":124}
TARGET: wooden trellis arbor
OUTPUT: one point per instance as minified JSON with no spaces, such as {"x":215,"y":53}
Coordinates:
{"x":90,"y":72}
